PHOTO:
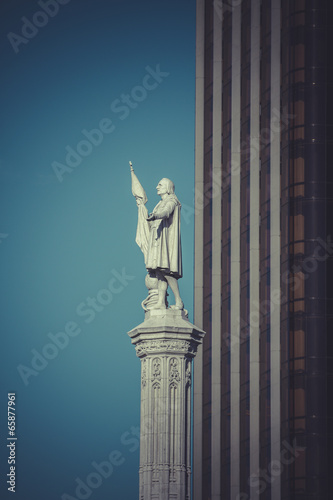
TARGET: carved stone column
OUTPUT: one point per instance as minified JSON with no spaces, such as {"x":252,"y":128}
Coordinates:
{"x":166,"y":342}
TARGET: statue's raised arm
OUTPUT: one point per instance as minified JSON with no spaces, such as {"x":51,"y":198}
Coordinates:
{"x":158,"y":236}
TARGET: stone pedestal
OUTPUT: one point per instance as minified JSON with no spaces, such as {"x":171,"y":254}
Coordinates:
{"x":166,"y":342}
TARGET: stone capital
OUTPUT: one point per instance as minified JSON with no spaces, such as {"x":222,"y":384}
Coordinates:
{"x":166,"y":331}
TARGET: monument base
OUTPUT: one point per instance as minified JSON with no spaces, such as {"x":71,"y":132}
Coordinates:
{"x":166,"y":342}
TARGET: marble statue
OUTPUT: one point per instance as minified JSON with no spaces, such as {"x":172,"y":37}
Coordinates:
{"x":158,"y":236}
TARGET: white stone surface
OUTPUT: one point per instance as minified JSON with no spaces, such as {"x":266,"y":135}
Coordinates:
{"x":158,"y":236}
{"x":166,"y":342}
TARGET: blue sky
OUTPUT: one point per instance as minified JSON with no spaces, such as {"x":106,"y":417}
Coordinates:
{"x":97,"y":83}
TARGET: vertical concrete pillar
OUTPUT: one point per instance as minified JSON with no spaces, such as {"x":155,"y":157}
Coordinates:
{"x":166,"y":342}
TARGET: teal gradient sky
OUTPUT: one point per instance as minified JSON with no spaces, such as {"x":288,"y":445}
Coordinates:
{"x":64,"y":237}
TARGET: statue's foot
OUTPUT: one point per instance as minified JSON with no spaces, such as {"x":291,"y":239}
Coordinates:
{"x":178,"y":306}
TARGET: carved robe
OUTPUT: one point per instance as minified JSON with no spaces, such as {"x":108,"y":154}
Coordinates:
{"x":164,"y":245}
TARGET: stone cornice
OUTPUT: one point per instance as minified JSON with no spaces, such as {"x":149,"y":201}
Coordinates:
{"x":166,"y":331}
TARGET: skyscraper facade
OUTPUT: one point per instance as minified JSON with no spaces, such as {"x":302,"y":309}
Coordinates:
{"x":263,"y":382}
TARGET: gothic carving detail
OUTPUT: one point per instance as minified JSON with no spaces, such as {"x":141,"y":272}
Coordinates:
{"x":156,"y":373}
{"x":149,"y":346}
{"x":174,"y":376}
{"x":188,"y":376}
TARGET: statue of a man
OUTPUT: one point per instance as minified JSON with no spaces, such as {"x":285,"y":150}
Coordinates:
{"x":164,"y":254}
{"x":158,"y":236}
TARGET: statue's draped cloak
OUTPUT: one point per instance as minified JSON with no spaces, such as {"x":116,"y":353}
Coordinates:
{"x":164,"y":245}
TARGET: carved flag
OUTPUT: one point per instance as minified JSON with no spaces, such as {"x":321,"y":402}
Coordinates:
{"x":142,"y":230}
{"x":137,"y":189}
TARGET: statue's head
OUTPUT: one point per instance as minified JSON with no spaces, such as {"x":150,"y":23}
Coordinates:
{"x":165,"y":186}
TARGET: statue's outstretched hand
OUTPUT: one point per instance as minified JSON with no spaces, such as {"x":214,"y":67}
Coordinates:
{"x":151,"y":217}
